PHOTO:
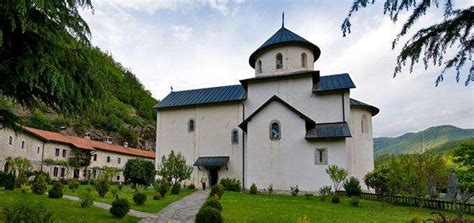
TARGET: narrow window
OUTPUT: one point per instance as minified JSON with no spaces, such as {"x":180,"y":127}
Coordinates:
{"x":23,"y":144}
{"x":108,"y":159}
{"x":64,"y":153}
{"x":320,"y":157}
{"x":10,"y":140}
{"x":275,"y":130}
{"x":259,"y":66}
{"x":57,"y":152}
{"x":363,"y":124}
{"x":303,"y":60}
{"x":94,"y":173}
{"x":55,"y":171}
{"x":95,"y":157}
{"x":235,"y":136}
{"x":191,"y":125}
{"x":63,"y":172}
{"x":38,"y":149}
{"x":118,"y":178}
{"x":118,"y":160}
{"x":279,"y":61}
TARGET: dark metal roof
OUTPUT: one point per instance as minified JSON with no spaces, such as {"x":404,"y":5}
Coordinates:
{"x":282,"y":37}
{"x":202,"y":96}
{"x":309,"y":122}
{"x":374,"y":110}
{"x":334,"y":82}
{"x":329,"y":131}
{"x":214,"y":161}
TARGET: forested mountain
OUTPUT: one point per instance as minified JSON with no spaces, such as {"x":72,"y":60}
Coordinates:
{"x":51,"y":76}
{"x":423,"y":141}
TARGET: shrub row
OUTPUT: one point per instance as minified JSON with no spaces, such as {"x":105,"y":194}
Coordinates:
{"x":210,"y":211}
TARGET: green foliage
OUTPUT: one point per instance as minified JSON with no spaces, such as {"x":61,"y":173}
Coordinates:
{"x":336,"y":199}
{"x":464,"y":158}
{"x":191,"y":187}
{"x":270,"y":189}
{"x":231,"y":184}
{"x":352,"y":187}
{"x":378,"y":179}
{"x":139,"y":171}
{"x":25,"y":188}
{"x":21,"y":167}
{"x":208,"y":215}
{"x":56,"y":191}
{"x":9,"y":181}
{"x":39,"y":120}
{"x":213,"y":203}
{"x":253,"y":189}
{"x":114,"y":190}
{"x":294,"y":190}
{"x":21,"y":211}
{"x":73,"y":184}
{"x":102,"y":186}
{"x":176,"y":188}
{"x":164,"y":187}
{"x":174,"y":167}
{"x":451,"y":146}
{"x":354,"y":201}
{"x":428,"y":140}
{"x":428,"y":44}
{"x":139,"y":198}
{"x":308,"y":195}
{"x":324,"y":192}
{"x":337,"y":175}
{"x":86,"y":198}
{"x":2,"y":178}
{"x":119,"y":208}
{"x":157,"y":196}
{"x":218,"y":190}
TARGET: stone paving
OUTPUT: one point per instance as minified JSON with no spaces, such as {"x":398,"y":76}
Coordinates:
{"x":180,"y":211}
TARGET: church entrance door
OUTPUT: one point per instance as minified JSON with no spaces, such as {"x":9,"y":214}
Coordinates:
{"x":213,"y":176}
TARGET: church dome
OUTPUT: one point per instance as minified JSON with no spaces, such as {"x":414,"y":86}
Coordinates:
{"x":284,"y":37}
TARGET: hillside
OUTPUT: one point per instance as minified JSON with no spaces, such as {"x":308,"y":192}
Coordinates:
{"x":431,"y":138}
{"x":124,"y":111}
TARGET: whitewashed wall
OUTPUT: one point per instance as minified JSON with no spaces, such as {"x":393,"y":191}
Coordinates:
{"x":291,"y":60}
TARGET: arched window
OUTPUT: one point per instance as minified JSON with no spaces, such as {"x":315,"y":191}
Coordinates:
{"x":259,"y":66}
{"x":279,"y":61}
{"x":275,"y":130}
{"x":363,"y":124}
{"x":235,"y":136}
{"x":303,"y":60}
{"x":191,"y":125}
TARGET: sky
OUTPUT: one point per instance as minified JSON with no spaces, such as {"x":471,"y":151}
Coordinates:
{"x":206,"y":43}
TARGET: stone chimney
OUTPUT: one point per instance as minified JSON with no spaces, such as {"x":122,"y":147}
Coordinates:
{"x":125,"y":144}
{"x":108,"y":140}
{"x":87,"y":135}
{"x":62,"y":130}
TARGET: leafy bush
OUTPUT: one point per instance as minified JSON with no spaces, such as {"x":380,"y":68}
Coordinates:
{"x":270,"y":189}
{"x":191,"y":187}
{"x":218,"y":190}
{"x":39,"y":184}
{"x":253,"y":189}
{"x":354,"y":201}
{"x":102,"y":186}
{"x":56,"y":191}
{"x":176,"y":188}
{"x":324,"y":192}
{"x":337,"y":175}
{"x":2,"y":179}
{"x":24,"y":188}
{"x":9,"y":181}
{"x":336,"y":199}
{"x":294,"y":190}
{"x":73,"y":184}
{"x":208,"y":215}
{"x":21,"y":179}
{"x":157,"y":196}
{"x":139,"y":198}
{"x":308,"y":195}
{"x":214,"y":203}
{"x":120,"y":187}
{"x":352,"y":187}
{"x":21,"y":211}
{"x":303,"y":219}
{"x":161,"y":186}
{"x":139,"y":171}
{"x":119,"y":208}
{"x":231,"y":184}
{"x":114,"y":190}
{"x":86,"y":198}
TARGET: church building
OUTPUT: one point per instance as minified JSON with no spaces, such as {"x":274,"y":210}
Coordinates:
{"x":283,"y":127}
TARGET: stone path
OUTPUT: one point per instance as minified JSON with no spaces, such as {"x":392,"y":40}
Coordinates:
{"x":181,"y":211}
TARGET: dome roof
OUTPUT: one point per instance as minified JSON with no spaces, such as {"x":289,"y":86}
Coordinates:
{"x":284,"y":37}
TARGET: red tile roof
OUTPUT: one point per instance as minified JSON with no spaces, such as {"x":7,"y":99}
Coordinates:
{"x":88,"y":144}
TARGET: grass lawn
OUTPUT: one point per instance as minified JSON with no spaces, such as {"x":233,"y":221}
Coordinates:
{"x":63,"y":210}
{"x":243,"y":207}
{"x":150,"y":206}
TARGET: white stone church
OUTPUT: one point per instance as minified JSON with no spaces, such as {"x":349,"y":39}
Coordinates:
{"x":282,"y":127}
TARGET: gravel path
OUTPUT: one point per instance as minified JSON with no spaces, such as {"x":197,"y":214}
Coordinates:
{"x":181,"y":211}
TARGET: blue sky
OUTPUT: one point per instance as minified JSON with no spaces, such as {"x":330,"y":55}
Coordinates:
{"x":195,"y":44}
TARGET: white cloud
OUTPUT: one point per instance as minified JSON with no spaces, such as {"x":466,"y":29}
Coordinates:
{"x":181,"y":32}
